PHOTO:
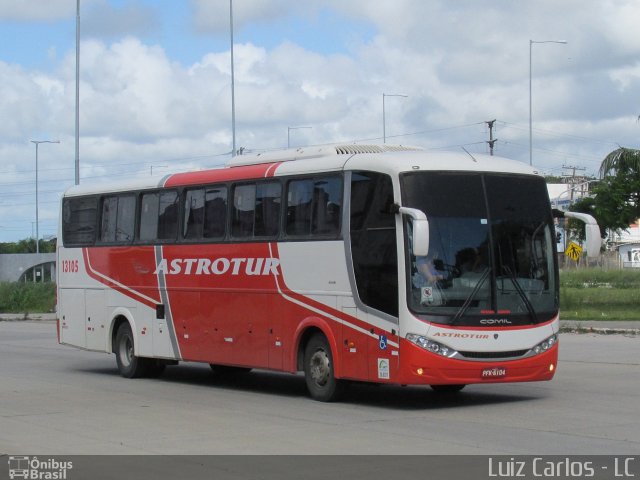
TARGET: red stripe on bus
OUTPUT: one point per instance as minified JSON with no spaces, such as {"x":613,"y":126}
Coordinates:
{"x":248,"y":172}
{"x":109,"y":282}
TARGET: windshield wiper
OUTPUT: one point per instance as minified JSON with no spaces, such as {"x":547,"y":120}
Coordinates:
{"x":467,"y":303}
{"x":523,"y":296}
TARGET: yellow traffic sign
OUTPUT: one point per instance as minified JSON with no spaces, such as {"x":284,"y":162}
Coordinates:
{"x":573,"y":251}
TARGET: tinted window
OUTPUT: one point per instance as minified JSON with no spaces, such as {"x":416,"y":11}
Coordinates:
{"x":244,"y":205}
{"x":215,"y":212}
{"x":373,"y":241}
{"x":256,"y":210}
{"x":267,"y":217}
{"x":193,"y":214}
{"x":118,"y":219}
{"x":79,"y":221}
{"x":313,"y":206}
{"x":205,"y":213}
{"x":159,"y":216}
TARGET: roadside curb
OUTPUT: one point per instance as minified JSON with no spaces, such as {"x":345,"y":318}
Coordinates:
{"x":599,"y":330}
{"x":600,"y":327}
{"x":25,"y":317}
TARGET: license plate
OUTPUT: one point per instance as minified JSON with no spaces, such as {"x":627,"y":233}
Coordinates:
{"x":495,"y":372}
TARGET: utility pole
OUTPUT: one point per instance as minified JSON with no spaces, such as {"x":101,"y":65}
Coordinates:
{"x":573,"y":179}
{"x":492,"y":141}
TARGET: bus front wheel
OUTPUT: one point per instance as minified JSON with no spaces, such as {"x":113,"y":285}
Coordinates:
{"x":129,"y":365}
{"x":319,"y":371}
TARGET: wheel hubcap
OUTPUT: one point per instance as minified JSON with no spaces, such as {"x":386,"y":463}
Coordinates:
{"x":320,"y":368}
{"x":126,"y":351}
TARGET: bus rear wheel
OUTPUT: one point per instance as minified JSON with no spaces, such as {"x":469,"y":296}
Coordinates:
{"x":129,"y":365}
{"x":319,"y":372}
{"x":447,"y":388}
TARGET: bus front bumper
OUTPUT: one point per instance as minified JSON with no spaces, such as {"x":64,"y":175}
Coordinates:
{"x":422,"y":367}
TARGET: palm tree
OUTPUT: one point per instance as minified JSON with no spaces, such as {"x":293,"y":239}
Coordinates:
{"x":620,"y":160}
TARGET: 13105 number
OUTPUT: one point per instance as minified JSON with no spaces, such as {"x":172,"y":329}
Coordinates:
{"x":70,"y":266}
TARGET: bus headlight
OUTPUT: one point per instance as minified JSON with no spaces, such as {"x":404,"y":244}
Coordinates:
{"x":430,"y":345}
{"x":545,"y":345}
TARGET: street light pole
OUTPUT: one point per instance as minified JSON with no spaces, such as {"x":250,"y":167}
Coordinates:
{"x":289,"y":134}
{"x":384,"y":124}
{"x":38,"y":142}
{"x":77,"y":164}
{"x":233,"y":95}
{"x":531,"y":42}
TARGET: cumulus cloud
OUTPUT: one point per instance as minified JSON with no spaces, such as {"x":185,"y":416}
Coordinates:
{"x":459,"y":63}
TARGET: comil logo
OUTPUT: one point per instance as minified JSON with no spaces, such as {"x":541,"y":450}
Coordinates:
{"x":36,"y":469}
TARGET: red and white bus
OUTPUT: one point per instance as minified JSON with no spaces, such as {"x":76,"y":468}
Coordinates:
{"x":314,"y":260}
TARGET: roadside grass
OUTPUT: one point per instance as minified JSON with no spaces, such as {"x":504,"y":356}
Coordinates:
{"x":29,"y":297}
{"x":596,"y":294}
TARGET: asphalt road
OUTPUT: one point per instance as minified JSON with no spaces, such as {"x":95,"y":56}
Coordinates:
{"x":62,"y":401}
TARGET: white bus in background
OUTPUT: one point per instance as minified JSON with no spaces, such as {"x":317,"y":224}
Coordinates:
{"x":314,"y":260}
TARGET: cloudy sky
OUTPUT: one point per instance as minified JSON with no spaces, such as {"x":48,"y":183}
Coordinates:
{"x":155,"y":84}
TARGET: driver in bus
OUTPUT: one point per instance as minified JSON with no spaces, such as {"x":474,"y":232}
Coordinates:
{"x":427,"y":269}
{"x":426,"y":280}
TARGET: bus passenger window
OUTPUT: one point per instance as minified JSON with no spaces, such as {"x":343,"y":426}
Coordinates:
{"x":244,"y":205}
{"x":314,"y":206}
{"x":159,"y":216}
{"x":149,"y":216}
{"x":168,"y":216}
{"x":267,"y":219}
{"x":118,"y":219}
{"x":109,"y":216}
{"x":205,"y":213}
{"x":215,"y":212}
{"x":193,"y":214}
{"x":79,"y":221}
{"x":256,"y":210}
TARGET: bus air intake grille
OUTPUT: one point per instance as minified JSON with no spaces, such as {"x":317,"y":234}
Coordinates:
{"x":354,"y":149}
{"x":492,"y":355}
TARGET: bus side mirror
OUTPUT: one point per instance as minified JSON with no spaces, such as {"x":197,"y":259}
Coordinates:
{"x":592,"y":231}
{"x":420,"y":237}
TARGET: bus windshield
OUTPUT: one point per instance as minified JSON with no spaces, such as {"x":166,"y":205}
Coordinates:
{"x":491,"y":254}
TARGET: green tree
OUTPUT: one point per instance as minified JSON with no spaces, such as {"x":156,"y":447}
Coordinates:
{"x":28,"y":245}
{"x":622,"y":160}
{"x":615,"y":200}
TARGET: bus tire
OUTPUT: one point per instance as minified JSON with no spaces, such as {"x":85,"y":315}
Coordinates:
{"x":319,"y":370}
{"x":447,"y":388}
{"x":129,"y":365}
